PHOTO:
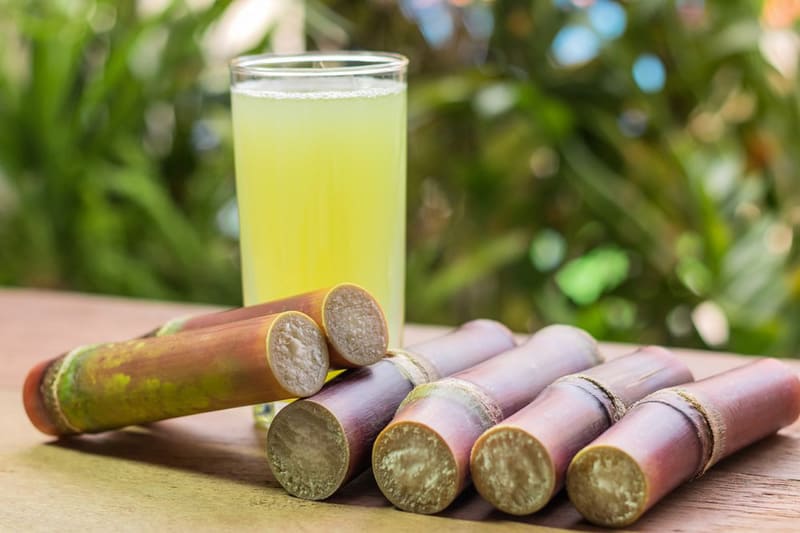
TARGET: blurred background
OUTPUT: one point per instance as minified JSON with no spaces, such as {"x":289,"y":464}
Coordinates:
{"x":628,"y":167}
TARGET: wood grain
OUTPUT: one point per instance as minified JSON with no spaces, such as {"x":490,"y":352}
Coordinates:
{"x":209,"y":472}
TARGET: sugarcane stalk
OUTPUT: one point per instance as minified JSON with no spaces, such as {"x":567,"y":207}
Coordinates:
{"x":351,"y":318}
{"x":421,"y":459}
{"x":107,"y":386}
{"x":677,"y":434}
{"x":520,"y":464}
{"x":316,"y":445}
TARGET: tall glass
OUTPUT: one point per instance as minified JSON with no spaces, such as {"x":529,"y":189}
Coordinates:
{"x":320,"y":151}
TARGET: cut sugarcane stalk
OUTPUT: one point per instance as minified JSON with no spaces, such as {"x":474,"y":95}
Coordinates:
{"x":107,"y":386}
{"x":520,"y":464}
{"x":677,"y":434}
{"x":421,"y":459}
{"x":316,"y":445}
{"x":350,"y":317}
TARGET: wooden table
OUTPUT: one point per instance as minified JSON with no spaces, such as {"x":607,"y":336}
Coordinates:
{"x":208,"y":472}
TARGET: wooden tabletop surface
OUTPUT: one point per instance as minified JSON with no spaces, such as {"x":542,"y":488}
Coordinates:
{"x":209,"y":472}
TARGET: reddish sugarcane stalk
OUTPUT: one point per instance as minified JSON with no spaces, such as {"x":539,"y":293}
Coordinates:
{"x":107,"y":386}
{"x":675,"y":435}
{"x":421,"y":459}
{"x":520,"y":464}
{"x":318,"y":444}
{"x":350,"y":317}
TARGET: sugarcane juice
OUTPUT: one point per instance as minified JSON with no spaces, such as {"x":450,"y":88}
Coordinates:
{"x":321,"y":188}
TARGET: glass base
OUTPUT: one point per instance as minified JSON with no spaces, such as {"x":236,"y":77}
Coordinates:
{"x":264,"y":413}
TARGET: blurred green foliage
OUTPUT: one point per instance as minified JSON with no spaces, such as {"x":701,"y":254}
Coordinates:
{"x":105,"y":184}
{"x":541,"y":189}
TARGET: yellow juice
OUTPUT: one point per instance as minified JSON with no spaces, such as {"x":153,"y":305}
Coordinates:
{"x":321,"y":188}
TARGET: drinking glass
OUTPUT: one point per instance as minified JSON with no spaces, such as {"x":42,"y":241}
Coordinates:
{"x":320,"y":155}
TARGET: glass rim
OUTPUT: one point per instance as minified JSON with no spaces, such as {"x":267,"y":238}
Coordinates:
{"x":274,"y":65}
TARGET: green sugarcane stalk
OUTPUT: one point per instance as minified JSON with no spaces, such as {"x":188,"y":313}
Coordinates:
{"x":107,"y":386}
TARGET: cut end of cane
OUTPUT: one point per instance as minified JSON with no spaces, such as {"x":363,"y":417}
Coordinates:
{"x":607,"y":486}
{"x":298,"y":354}
{"x":512,"y":470}
{"x":355,"y":325}
{"x":415,"y":468}
{"x":33,"y":400}
{"x":307,"y":450}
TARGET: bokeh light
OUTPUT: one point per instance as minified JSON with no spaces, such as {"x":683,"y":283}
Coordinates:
{"x":575,"y":45}
{"x":649,"y":73}
{"x":434,"y":20}
{"x":479,"y":20}
{"x":548,"y":249}
{"x":691,"y":12}
{"x":607,"y":18}
{"x":632,"y":122}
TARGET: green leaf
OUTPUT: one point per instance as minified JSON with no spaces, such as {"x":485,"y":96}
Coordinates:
{"x":584,"y":279}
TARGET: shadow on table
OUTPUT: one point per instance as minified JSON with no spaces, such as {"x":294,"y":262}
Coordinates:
{"x":228,"y":446}
{"x":468,"y":506}
{"x":208,"y":444}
